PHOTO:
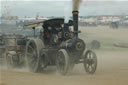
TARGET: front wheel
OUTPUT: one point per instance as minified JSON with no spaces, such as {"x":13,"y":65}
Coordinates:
{"x":63,"y":62}
{"x":90,"y":62}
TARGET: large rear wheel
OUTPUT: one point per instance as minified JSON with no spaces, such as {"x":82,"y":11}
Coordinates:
{"x":32,"y":54}
{"x":63,"y":62}
{"x":90,"y":62}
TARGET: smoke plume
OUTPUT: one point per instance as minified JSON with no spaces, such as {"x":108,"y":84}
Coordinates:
{"x":76,"y":4}
{"x":67,"y":11}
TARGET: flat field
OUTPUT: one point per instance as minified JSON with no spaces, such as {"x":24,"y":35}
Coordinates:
{"x":112,"y":63}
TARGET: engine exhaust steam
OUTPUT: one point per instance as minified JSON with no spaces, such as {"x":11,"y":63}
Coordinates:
{"x":76,"y":4}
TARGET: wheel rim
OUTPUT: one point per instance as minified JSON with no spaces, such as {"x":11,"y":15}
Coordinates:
{"x":62,"y":62}
{"x":90,"y":62}
{"x":32,"y":57}
{"x":8,"y":61}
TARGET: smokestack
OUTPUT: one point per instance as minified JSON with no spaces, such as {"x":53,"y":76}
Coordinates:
{"x":76,"y":4}
{"x":75,"y":22}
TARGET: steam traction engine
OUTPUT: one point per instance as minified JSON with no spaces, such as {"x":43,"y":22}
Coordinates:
{"x":58,"y":45}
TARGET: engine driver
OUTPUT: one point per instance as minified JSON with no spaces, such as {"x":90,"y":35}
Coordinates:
{"x":47,"y":33}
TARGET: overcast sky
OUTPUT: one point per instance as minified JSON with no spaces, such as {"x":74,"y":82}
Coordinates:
{"x":64,"y":7}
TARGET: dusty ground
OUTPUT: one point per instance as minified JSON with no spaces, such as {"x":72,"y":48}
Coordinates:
{"x":112,"y":64}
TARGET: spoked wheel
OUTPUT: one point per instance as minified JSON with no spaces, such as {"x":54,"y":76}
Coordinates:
{"x":62,"y":62}
{"x":32,"y":54}
{"x":90,"y":62}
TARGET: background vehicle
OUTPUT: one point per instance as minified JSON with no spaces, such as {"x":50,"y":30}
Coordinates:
{"x":14,"y":50}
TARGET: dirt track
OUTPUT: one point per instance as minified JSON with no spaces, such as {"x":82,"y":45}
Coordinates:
{"x":112,"y":66}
